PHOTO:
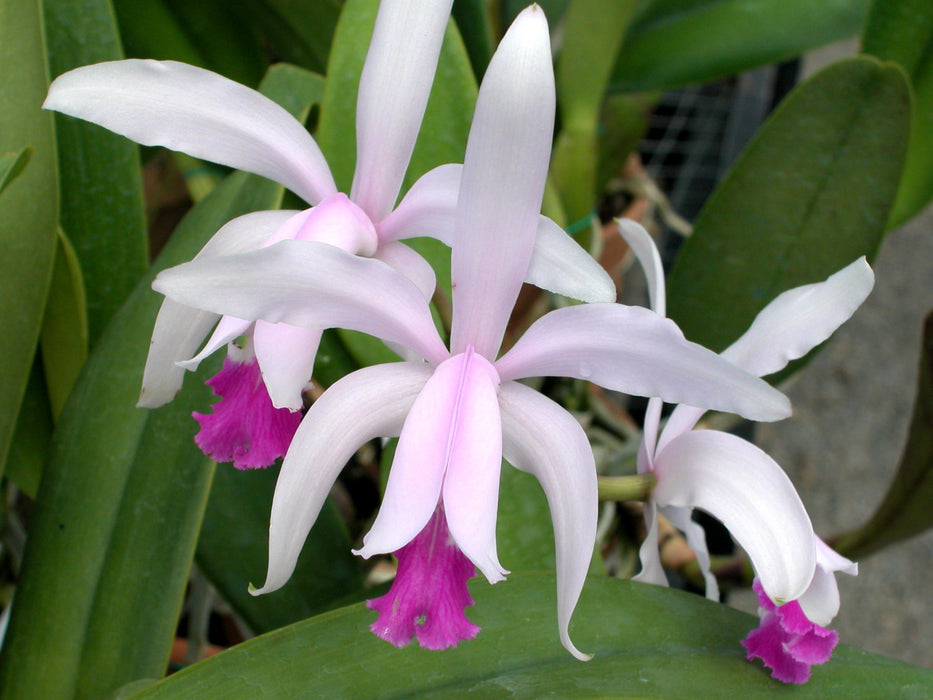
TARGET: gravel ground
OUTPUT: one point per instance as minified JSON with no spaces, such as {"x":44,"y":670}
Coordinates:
{"x":852,"y":409}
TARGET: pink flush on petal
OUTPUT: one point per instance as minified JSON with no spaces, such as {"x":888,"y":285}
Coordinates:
{"x":786,"y":641}
{"x":429,"y":594}
{"x":245,"y":428}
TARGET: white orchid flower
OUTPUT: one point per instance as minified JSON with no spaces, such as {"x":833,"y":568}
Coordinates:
{"x":460,"y":412}
{"x":189,"y":109}
{"x":741,"y":485}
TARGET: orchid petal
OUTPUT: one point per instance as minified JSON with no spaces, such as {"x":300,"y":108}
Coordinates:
{"x":177,"y":333}
{"x":744,"y":488}
{"x":428,"y":209}
{"x":696,"y":538}
{"x":542,"y":438}
{"x":179,"y":329}
{"x":800,"y":319}
{"x":417,"y":473}
{"x":649,"y":553}
{"x":286,"y":357}
{"x":336,"y":221}
{"x":682,"y":420}
{"x":504,"y":171}
{"x":646,"y":252}
{"x":820,"y":603}
{"x":394,"y":89}
{"x":630,"y":349}
{"x":189,"y":109}
{"x":650,"y":432}
{"x":407,"y":262}
{"x":312,"y":285}
{"x":474,"y":462}
{"x":371,"y":402}
{"x":228,"y":329}
{"x":560,"y":265}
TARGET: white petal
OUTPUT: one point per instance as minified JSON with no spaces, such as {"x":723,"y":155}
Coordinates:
{"x":560,"y":265}
{"x":286,"y":357}
{"x":369,"y":403}
{"x":313,"y":285}
{"x":800,"y":319}
{"x":649,"y":445}
{"x":745,"y":489}
{"x":407,"y":262}
{"x":630,"y":349}
{"x":821,"y":601}
{"x":646,"y":252}
{"x":427,"y":209}
{"x":682,"y":419}
{"x":648,"y":553}
{"x":189,"y":109}
{"x":227,"y":330}
{"x":394,"y":89}
{"x":503,"y":184}
{"x":176,"y":335}
{"x":471,"y":486}
{"x":696,"y":538}
{"x":178,"y":329}
{"x":421,"y":458}
{"x":540,"y":437}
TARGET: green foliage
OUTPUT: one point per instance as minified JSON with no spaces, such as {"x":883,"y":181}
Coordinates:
{"x":902,"y":31}
{"x":627,"y":627}
{"x":28,"y":205}
{"x":809,"y":195}
{"x":677,"y":42}
{"x":12,"y":164}
{"x":64,"y":327}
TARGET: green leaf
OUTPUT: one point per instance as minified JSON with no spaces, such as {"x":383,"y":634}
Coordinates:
{"x":225,"y":36}
{"x":232,"y":551}
{"x":300,"y":32}
{"x":902,"y":31}
{"x":810,"y":194}
{"x":473,"y":21}
{"x":32,"y":439}
{"x":593,"y":32}
{"x":524,"y":534}
{"x":120,"y":504}
{"x":905,"y":509}
{"x":64,"y":328}
{"x":28,"y":206}
{"x":442,"y":138}
{"x":99,"y":174}
{"x":12,"y":164}
{"x":647,"y":641}
{"x":149,"y":29}
{"x":676,"y":42}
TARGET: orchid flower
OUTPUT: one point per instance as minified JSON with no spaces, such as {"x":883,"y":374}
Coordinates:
{"x":458,"y":414}
{"x":741,"y":485}
{"x":193,"y":110}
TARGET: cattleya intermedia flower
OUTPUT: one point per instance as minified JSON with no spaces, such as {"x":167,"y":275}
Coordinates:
{"x":742,"y":486}
{"x":461,"y":411}
{"x":198,"y":112}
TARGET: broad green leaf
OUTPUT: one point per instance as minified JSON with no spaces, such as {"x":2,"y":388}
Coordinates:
{"x":810,"y":194}
{"x":99,"y":175}
{"x":32,"y":439}
{"x":473,"y":22}
{"x":647,"y":641}
{"x":593,"y":32}
{"x":233,"y":547}
{"x":29,"y":204}
{"x":442,"y":138}
{"x":905,"y":510}
{"x":12,"y":164}
{"x":120,"y":503}
{"x":524,"y":534}
{"x":300,"y":32}
{"x":509,"y":10}
{"x":676,"y":42}
{"x":64,"y":328}
{"x":902,"y":31}
{"x":149,"y":29}
{"x":225,"y":35}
